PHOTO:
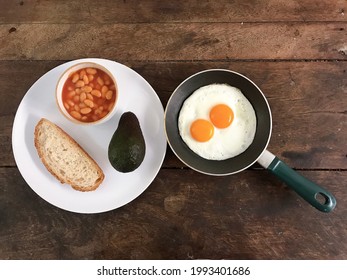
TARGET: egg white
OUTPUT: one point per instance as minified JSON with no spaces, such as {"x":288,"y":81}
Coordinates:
{"x":227,"y":142}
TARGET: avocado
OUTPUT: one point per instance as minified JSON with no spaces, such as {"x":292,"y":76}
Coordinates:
{"x":127,"y":147}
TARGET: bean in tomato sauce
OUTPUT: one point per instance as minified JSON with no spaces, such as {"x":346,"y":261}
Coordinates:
{"x":89,"y":94}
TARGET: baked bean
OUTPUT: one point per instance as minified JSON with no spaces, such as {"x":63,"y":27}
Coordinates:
{"x":87,"y":89}
{"x":75,"y":78}
{"x":96,"y":93}
{"x":104,"y":89}
{"x":76,"y":98}
{"x":72,"y":93}
{"x":82,"y":73}
{"x":100,"y":81}
{"x":90,"y":78}
{"x":83,"y":96}
{"x":82,"y":105}
{"x":86,"y":110}
{"x":79,"y":83}
{"x":91,"y":71}
{"x":75,"y":114}
{"x":109,"y":95}
{"x":71,"y":103}
{"x":90,"y":97}
{"x":89,"y":101}
{"x":85,"y":79}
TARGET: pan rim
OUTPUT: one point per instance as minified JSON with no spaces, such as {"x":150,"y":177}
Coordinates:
{"x":269,"y":130}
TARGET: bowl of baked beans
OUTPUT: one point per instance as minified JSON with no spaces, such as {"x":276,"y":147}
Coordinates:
{"x":86,"y":93}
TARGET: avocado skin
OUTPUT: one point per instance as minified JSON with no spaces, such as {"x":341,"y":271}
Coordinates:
{"x":127,"y":147}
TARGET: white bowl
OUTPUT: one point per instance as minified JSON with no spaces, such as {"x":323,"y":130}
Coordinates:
{"x":67,"y":74}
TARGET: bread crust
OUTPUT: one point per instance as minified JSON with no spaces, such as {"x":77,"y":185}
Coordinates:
{"x":74,"y":143}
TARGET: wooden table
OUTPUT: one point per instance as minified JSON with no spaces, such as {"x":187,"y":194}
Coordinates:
{"x":296,"y":51}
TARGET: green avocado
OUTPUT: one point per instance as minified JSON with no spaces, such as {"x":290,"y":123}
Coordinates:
{"x":127,"y":148}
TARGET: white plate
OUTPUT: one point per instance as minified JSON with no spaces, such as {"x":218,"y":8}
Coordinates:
{"x":118,"y":189}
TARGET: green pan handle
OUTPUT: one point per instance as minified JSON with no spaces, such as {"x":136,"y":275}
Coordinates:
{"x":307,"y":189}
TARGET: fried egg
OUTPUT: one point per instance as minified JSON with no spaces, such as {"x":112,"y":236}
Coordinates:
{"x":217,"y":122}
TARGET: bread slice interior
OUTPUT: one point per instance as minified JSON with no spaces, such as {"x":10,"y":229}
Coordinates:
{"x":65,"y":158}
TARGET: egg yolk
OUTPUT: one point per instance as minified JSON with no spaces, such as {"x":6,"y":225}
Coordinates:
{"x":221,"y":116}
{"x":201,"y":130}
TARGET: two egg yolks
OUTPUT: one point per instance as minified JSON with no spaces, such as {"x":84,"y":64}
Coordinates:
{"x":221,"y":116}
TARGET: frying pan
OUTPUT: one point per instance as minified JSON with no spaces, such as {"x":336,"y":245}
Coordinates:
{"x":314,"y":194}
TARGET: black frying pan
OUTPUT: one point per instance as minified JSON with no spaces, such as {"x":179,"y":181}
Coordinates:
{"x":314,"y":194}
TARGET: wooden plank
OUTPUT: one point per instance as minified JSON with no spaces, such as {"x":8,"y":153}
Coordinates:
{"x":16,"y":79}
{"x":164,"y":42}
{"x":170,"y":11}
{"x":308,"y":132}
{"x":182,"y":215}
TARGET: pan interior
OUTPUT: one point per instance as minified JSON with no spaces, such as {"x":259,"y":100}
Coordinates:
{"x":251,"y":92}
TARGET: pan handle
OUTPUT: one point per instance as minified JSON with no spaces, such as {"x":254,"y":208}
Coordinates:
{"x":314,"y":194}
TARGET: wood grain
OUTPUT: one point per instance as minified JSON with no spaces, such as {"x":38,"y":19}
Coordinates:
{"x":121,"y":11}
{"x":182,"y":215}
{"x":301,"y":122}
{"x":295,"y":51}
{"x":167,"y":42}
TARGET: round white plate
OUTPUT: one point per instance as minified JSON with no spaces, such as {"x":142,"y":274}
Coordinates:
{"x":117,"y":189}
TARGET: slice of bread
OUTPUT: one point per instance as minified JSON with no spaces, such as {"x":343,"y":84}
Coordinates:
{"x":65,"y":159}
